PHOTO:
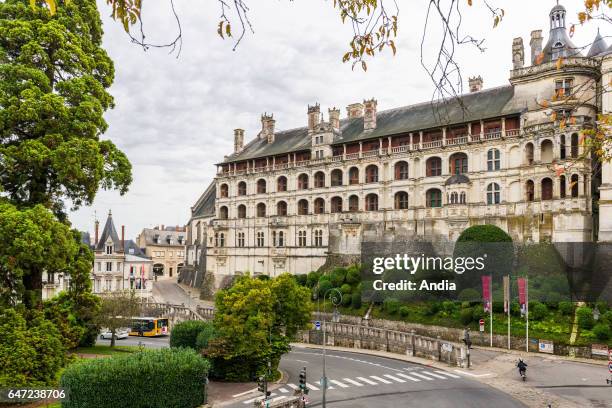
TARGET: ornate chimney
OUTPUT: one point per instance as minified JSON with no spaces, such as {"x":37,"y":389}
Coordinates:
{"x":536,"y":45}
{"x":314,"y":115}
{"x":238,"y":140}
{"x":475,"y":84}
{"x":97,"y":229}
{"x":122,"y":237}
{"x":369,"y":116}
{"x":334,"y":118}
{"x":355,"y":110}
{"x":267,"y":127}
{"x":518,"y":53}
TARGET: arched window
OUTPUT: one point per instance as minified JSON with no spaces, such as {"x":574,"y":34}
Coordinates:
{"x":574,"y":184}
{"x":434,"y":198}
{"x":353,"y":203}
{"x":493,"y":194}
{"x":336,"y":204}
{"x":493,"y":160}
{"x":562,"y":187}
{"x":281,"y":238}
{"x":318,"y":238}
{"x":281,"y":208}
{"x":574,"y":147}
{"x":462,"y":197}
{"x":458,"y":163}
{"x":401,"y":170}
{"x":529,"y":190}
{"x":354,"y":175}
{"x":219,"y":239}
{"x":562,"y":153}
{"x":242,"y":211}
{"x":336,"y":177}
{"x":401,"y":200}
{"x":261,"y":186}
{"x":242,"y":188}
{"x":433,"y":167}
{"x":371,"y":174}
{"x":261,"y":210}
{"x":223,"y":212}
{"x":281,"y":184}
{"x":547,"y":189}
{"x":223,"y":191}
{"x":529,"y":153}
{"x":302,"y":238}
{"x":547,"y":151}
{"x":454,"y":198}
{"x":302,"y":182}
{"x":319,"y":179}
{"x":302,"y":207}
{"x":371,"y":202}
{"x":319,"y":206}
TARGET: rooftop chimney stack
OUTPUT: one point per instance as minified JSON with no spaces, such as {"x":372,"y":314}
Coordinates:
{"x":475,"y":84}
{"x":536,"y":45}
{"x":314,"y":116}
{"x":238,"y":140}
{"x":355,"y":110}
{"x":369,"y":116}
{"x":518,"y":53}
{"x":122,"y":237}
{"x":267,"y":127}
{"x":97,"y":228}
{"x":334,"y":118}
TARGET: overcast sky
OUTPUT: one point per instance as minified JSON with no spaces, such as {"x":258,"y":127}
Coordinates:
{"x":174,"y":117}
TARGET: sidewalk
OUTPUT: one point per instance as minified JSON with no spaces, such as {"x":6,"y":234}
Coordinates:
{"x":493,"y":373}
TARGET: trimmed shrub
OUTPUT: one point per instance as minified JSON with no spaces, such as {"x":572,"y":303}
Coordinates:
{"x":301,"y":279}
{"x":404,"y":311}
{"x":432,"y":308}
{"x":353,"y":276}
{"x":391,"y":305}
{"x":312,"y":279}
{"x":601,"y":331}
{"x":324,"y":286}
{"x":164,"y":378}
{"x":484,"y":233}
{"x":337,"y":277}
{"x":346,"y":299}
{"x":466,"y":316}
{"x":566,"y":308}
{"x":345,"y":289}
{"x":356,"y":300}
{"x":585,"y":318}
{"x":448,"y":306}
{"x":537,"y":310}
{"x":204,"y":336}
{"x":185,"y":334}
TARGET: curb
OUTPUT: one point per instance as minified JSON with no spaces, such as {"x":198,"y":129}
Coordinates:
{"x":521,"y":353}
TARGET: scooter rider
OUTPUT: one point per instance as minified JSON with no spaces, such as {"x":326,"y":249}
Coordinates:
{"x":522,"y":366}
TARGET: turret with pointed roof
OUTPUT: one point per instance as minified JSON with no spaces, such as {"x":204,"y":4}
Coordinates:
{"x":599,"y":46}
{"x":559,"y":44}
{"x":109,"y":232}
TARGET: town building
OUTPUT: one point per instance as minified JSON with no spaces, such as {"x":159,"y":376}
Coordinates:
{"x":513,"y":156}
{"x":166,"y":247}
{"x":119,"y":264}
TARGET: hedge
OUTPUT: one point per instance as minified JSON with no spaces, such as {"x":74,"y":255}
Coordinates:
{"x":165,"y":378}
{"x":185,"y":334}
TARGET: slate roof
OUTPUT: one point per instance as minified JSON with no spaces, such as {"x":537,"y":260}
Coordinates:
{"x":150,"y":235}
{"x":86,"y":238}
{"x":136,"y":251}
{"x":109,"y":231}
{"x":599,"y":46}
{"x":206,"y":203}
{"x":485,"y":104}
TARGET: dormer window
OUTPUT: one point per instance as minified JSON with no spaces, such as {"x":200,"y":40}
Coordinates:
{"x":156,"y":239}
{"x":109,"y":249}
{"x":563,"y":87}
{"x":131,"y":251}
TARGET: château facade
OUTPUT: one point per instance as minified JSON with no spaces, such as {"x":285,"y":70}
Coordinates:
{"x":292,"y":200}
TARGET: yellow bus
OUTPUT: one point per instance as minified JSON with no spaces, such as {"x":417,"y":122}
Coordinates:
{"x":149,"y":326}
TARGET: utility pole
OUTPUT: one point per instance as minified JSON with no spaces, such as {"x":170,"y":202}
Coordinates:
{"x":468,"y":343}
{"x":336,"y":299}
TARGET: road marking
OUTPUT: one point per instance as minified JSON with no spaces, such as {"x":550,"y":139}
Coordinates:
{"x":447,"y":373}
{"x":339,"y":383}
{"x":422,"y":376}
{"x":473,"y":375}
{"x":399,"y":380}
{"x":365,"y":380}
{"x":283,"y":390}
{"x":312,"y":387}
{"x":435,"y":375}
{"x":382,"y":380}
{"x":408,"y":377}
{"x":348,"y":380}
{"x":256,"y":398}
{"x":244,"y":393}
{"x":293,"y":386}
{"x":277,"y":398}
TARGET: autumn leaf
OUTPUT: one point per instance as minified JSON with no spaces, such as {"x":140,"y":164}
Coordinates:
{"x":559,"y":62}
{"x":539,"y":58}
{"x":469,"y":2}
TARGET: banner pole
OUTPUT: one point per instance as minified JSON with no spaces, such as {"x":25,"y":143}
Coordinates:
{"x":491,"y":310}
{"x":527,"y":314}
{"x":507,"y":296}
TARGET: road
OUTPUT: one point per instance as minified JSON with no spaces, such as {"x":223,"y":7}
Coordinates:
{"x":168,"y":291}
{"x":148,"y":342}
{"x":358,"y":380}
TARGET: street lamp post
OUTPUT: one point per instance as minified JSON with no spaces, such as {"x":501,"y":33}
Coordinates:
{"x":335,"y":296}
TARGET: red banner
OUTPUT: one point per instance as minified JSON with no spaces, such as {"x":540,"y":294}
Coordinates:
{"x":522,"y":284}
{"x":486,"y":292}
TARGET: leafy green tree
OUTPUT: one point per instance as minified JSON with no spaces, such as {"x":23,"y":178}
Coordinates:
{"x":186,"y":334}
{"x":116,"y":311}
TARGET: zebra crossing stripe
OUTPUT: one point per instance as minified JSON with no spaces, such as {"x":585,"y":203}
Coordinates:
{"x":408,"y":377}
{"x":382,"y":380}
{"x":435,"y":375}
{"x":348,"y":380}
{"x":422,"y":376}
{"x":339,"y":383}
{"x":312,"y":387}
{"x":292,"y":386}
{"x":399,"y":380}
{"x":449,"y":374}
{"x":365,"y":380}
{"x":283,"y":390}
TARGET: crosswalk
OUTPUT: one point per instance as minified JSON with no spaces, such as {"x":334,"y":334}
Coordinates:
{"x":410,"y":376}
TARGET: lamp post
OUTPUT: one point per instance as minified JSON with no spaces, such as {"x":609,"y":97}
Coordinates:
{"x":335,"y":296}
{"x":596,"y":313}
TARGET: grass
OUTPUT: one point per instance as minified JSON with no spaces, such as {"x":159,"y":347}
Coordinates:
{"x":106,"y":350}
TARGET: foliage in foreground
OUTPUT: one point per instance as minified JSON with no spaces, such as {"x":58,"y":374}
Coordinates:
{"x":165,"y":378}
{"x":193,"y":334}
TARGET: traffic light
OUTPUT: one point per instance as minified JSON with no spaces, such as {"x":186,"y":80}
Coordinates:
{"x":303,"y":387}
{"x":262,"y":385}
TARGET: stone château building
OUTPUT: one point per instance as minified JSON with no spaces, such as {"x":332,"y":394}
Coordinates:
{"x":289,"y":200}
{"x":165,"y":245}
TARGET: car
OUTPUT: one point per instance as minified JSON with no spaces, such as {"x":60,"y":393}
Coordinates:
{"x":119,"y":334}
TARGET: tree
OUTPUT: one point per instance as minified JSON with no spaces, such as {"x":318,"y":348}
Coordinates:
{"x":116,"y":311}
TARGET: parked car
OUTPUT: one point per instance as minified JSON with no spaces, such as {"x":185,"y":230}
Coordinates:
{"x":119,"y":334}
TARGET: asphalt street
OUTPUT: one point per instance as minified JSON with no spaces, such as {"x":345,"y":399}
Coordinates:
{"x":148,"y":342}
{"x":358,"y":380}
